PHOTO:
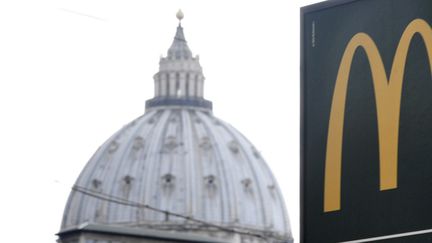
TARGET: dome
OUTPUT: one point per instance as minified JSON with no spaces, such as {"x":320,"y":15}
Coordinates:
{"x":179,"y":168}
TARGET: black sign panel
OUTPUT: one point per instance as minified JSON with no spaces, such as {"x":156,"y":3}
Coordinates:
{"x":366,"y":169}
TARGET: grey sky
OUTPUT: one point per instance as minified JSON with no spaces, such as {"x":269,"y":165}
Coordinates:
{"x":74,"y":72}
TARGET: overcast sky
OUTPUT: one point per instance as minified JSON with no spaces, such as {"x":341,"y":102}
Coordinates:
{"x":74,"y":72}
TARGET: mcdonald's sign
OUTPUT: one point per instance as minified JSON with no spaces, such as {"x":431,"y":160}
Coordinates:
{"x":366,"y":121}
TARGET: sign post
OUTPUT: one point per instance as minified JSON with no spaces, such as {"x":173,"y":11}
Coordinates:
{"x":366,"y":121}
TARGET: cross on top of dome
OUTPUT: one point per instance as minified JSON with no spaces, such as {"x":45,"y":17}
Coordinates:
{"x":180,"y":15}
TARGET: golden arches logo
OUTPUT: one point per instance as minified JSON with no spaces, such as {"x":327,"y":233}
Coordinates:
{"x":388,"y":93}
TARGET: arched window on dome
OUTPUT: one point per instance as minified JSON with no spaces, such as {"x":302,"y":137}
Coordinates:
{"x":168,"y":183}
{"x":127,"y":185}
{"x":210,"y":185}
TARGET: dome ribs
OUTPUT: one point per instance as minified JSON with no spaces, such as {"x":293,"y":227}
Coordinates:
{"x":145,"y":168}
{"x":118,"y":173}
{"x":80,"y":202}
{"x":277,"y":208}
{"x":228,"y":193}
{"x":259,"y":202}
{"x":196,"y":131}
{"x":153,"y":172}
{"x":167,"y":165}
{"x":190,"y":164}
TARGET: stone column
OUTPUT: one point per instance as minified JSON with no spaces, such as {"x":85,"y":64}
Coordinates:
{"x":163,"y":84}
{"x":157,"y":82}
{"x":192,"y":79}
{"x":172,"y":85}
{"x":182,"y":84}
{"x":200,"y":86}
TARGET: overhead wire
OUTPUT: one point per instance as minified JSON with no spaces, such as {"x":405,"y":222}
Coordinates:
{"x":122,"y":201}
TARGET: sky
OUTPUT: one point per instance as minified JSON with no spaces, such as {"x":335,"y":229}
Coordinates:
{"x":74,"y":72}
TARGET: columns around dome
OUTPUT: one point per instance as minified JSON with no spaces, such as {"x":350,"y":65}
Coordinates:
{"x":180,"y":80}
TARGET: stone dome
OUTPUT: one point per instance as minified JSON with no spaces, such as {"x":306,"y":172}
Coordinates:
{"x":178,"y":166}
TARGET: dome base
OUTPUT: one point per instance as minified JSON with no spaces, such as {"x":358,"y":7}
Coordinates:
{"x":174,"y":101}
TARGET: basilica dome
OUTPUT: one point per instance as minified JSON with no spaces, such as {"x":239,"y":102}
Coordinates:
{"x":178,"y":168}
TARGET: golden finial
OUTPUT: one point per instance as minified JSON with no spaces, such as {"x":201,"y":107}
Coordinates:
{"x":179,"y":15}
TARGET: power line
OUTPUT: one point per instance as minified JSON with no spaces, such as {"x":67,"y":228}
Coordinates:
{"x":82,"y":14}
{"x":122,"y":201}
